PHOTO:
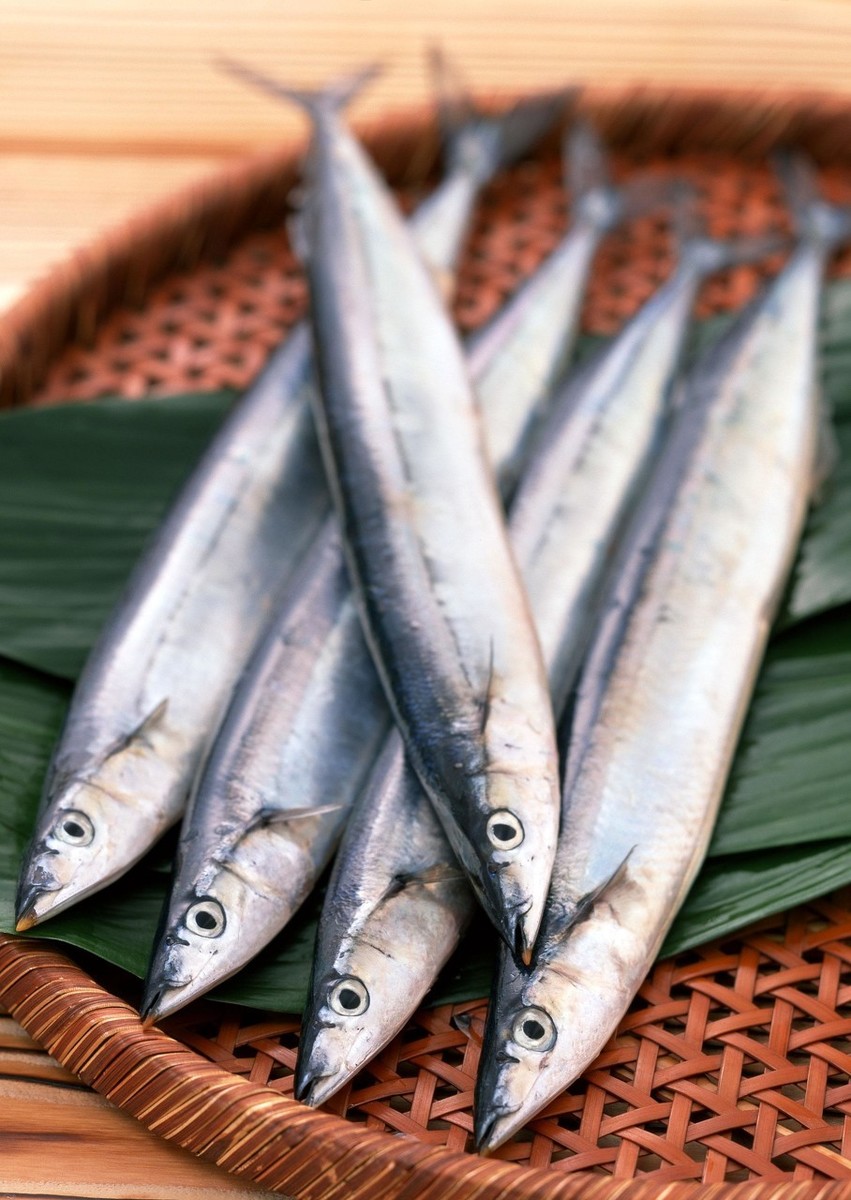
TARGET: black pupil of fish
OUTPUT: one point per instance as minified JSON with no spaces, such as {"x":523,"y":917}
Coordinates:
{"x":503,"y":833}
{"x":74,"y":829}
{"x":205,"y":920}
{"x":534,"y":1030}
{"x":349,"y":998}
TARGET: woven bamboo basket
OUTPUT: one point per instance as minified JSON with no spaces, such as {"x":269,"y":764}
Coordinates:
{"x":730,"y":1074}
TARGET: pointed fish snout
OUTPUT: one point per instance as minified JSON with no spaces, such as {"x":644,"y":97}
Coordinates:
{"x":527,"y":927}
{"x":32,"y":905}
{"x":492,"y":1129}
{"x":517,"y":923}
{"x":313,"y":1086}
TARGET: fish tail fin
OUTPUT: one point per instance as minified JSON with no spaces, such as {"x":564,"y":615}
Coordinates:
{"x":704,"y":254}
{"x":594,"y":195}
{"x":482,"y":144}
{"x":813,"y":217}
{"x":316,"y":101}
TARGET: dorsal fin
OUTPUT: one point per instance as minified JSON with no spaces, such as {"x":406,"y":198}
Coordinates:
{"x":142,"y":731}
{"x":435,"y":873}
{"x":264,"y":817}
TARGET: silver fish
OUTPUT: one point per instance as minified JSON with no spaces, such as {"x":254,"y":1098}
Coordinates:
{"x":424,"y":535}
{"x":275,"y":789}
{"x":157,"y":680}
{"x":663,"y":695}
{"x":395,"y":908}
{"x":546,"y":312}
{"x":274,"y":757}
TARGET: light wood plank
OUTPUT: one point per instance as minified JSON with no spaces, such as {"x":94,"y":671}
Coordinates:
{"x":52,"y":204}
{"x":142,"y":73}
{"x":60,"y":1138}
{"x":63,"y":1142}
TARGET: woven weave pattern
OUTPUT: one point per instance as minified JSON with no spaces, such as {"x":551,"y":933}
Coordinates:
{"x":213,"y":327}
{"x":733,"y":1062}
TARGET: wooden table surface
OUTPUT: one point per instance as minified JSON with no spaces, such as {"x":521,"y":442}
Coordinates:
{"x":107,"y":107}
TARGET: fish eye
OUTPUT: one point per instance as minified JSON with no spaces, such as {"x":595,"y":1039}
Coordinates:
{"x":75,"y":828}
{"x":504,"y":830}
{"x":206,"y":918}
{"x":349,"y":997}
{"x":533,"y":1029}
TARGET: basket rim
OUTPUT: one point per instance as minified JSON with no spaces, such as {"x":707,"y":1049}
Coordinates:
{"x":100,"y":1037}
{"x":103,"y":1041}
{"x":123,"y":262}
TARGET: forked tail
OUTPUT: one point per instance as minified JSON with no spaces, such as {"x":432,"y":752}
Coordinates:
{"x":813,"y":217}
{"x":317,"y":102}
{"x":483,"y":144}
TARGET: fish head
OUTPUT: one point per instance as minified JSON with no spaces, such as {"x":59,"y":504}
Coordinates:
{"x":521,"y":1040}
{"x":379,"y":974}
{"x":219,"y":917}
{"x":199,"y":933}
{"x":98,"y":818}
{"x":85,"y":838}
{"x":547,"y":1023}
{"x":342,"y":1025}
{"x":516,"y":852}
{"x":511,"y":830}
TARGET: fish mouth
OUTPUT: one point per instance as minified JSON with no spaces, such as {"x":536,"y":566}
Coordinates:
{"x":149,"y":1008}
{"x":494,"y":1127}
{"x":29,"y":911}
{"x":161,"y":1000}
{"x":314,"y":1086}
{"x":519,"y":928}
{"x":516,"y":914}
{"x":525,"y":932}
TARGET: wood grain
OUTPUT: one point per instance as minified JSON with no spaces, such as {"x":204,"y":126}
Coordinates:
{"x":143,"y":73}
{"x":106,"y":107}
{"x":51,"y":204}
{"x":59,"y":1138}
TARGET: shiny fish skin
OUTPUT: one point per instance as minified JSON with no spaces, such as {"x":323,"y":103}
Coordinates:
{"x":253,"y":750}
{"x":647,"y":763}
{"x":424,"y":536}
{"x":545,"y":312}
{"x":396,"y":907}
{"x":592,"y":453}
{"x":275,"y":788}
{"x":163,"y":669}
{"x":149,"y":694}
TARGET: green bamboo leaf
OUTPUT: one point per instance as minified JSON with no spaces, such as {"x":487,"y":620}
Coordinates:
{"x":733,"y":892}
{"x":795,"y":746}
{"x":118,"y":924}
{"x":82,"y":486}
